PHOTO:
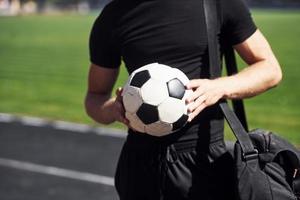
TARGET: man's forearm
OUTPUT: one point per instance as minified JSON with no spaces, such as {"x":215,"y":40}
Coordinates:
{"x":99,"y":108}
{"x":251,"y":81}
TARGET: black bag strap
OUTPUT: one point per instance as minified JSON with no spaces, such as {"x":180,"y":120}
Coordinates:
{"x":231,"y":67}
{"x":212,"y":26}
{"x":230,"y":61}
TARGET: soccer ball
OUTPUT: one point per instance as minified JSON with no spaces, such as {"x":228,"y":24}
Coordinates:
{"x":154,"y":99}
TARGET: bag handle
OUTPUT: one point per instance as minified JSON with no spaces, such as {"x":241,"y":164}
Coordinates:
{"x":212,"y":27}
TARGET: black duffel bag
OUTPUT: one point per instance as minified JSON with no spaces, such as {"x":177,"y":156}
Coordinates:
{"x":266,"y":165}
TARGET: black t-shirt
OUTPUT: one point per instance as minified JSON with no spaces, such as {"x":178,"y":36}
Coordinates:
{"x":170,"y":32}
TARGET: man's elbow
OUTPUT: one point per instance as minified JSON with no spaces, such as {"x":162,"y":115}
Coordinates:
{"x":277,"y":75}
{"x":92,"y":106}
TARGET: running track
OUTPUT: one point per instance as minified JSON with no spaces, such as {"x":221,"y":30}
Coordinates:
{"x":41,"y":160}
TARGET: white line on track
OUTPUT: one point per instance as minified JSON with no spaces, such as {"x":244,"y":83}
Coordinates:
{"x":62,"y":125}
{"x":6,"y":117}
{"x":69,"y":126}
{"x":55,"y":171}
{"x":33,"y":121}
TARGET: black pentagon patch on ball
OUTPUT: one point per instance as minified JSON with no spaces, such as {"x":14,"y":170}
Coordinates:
{"x":176,"y":88}
{"x":180,"y":122}
{"x":140,"y":78}
{"x":147,"y":113}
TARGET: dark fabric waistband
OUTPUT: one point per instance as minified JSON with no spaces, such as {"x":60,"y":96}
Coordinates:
{"x":147,"y":142}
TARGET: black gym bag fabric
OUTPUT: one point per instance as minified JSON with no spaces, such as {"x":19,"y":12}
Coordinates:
{"x":152,"y":170}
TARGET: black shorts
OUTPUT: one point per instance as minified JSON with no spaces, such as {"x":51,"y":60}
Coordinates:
{"x":153,"y":170}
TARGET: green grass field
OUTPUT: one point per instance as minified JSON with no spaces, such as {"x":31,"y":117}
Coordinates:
{"x":44,"y":63}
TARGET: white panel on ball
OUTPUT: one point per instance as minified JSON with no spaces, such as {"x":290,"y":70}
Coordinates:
{"x":171,"y":110}
{"x":162,"y":73}
{"x":154,"y":92}
{"x":127,"y":85}
{"x":135,"y":122}
{"x":132,"y":99}
{"x":159,"y":129}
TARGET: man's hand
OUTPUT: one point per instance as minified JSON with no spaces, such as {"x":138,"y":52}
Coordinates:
{"x":263,"y":72}
{"x":205,"y":93}
{"x":118,"y":108}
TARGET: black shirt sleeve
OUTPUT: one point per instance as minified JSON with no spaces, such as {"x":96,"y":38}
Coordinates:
{"x":237,"y":23}
{"x":104,"y":50}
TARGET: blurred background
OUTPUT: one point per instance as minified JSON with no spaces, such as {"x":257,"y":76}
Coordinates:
{"x":49,"y":148}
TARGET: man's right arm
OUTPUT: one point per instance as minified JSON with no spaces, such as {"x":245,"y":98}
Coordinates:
{"x":99,"y":104}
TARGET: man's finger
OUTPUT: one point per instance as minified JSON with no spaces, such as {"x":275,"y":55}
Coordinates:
{"x":119,"y":91}
{"x":196,"y":103}
{"x":124,"y":121}
{"x":196,"y":112}
{"x":194,"y":83}
{"x":119,"y":95}
{"x":121,"y":115}
{"x":196,"y":94}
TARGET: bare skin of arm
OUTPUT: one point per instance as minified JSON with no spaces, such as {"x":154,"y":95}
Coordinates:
{"x":263,"y":72}
{"x":99,"y":104}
